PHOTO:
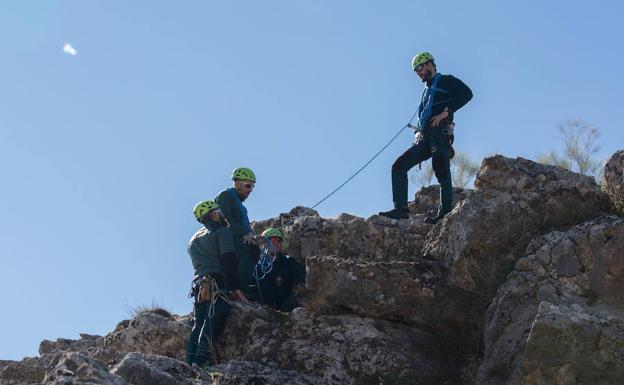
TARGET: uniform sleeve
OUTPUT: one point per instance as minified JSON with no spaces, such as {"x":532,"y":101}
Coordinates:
{"x":227,"y":257}
{"x":460,"y":94}
{"x":231,"y":212}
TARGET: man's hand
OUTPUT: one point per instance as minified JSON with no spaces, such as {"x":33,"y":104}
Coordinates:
{"x":240,"y":297}
{"x":417,"y":137}
{"x":435,"y":121}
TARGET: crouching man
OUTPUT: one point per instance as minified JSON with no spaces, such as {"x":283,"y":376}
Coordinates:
{"x":283,"y":285}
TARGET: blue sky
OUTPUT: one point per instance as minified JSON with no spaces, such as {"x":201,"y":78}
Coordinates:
{"x":103,"y":154}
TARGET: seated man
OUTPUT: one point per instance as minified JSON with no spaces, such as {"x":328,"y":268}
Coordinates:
{"x":212,"y":253}
{"x":281,"y":287}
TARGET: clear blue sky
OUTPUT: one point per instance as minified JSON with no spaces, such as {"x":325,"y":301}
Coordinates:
{"x":103,"y":154}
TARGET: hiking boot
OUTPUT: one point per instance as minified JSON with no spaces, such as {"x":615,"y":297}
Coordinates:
{"x":398,"y":213}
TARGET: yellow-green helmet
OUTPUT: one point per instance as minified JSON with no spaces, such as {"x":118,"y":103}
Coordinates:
{"x":271,"y":232}
{"x":421,"y":58}
{"x":203,"y":208}
{"x":244,"y":173}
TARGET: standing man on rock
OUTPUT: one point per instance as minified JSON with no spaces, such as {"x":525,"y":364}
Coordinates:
{"x":216,"y":274}
{"x":442,"y":97}
{"x":231,"y":203}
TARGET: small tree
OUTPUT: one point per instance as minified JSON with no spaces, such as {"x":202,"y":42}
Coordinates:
{"x":463,"y":170}
{"x":580,"y":147}
{"x":422,"y":177}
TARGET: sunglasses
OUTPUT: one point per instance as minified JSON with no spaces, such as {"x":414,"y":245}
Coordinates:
{"x":249,"y":185}
{"x":421,"y":66}
{"x":276,"y":240}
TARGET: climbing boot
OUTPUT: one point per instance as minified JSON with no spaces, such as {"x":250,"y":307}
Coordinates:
{"x":398,"y":213}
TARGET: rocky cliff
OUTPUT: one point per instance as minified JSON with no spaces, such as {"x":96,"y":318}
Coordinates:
{"x":522,"y":283}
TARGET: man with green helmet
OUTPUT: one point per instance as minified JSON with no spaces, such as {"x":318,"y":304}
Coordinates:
{"x":442,"y":97}
{"x":231,"y":202}
{"x":282,"y":286}
{"x":216,"y":273}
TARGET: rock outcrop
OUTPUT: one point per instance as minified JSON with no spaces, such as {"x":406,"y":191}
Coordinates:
{"x":515,"y":200}
{"x":522,"y":283}
{"x":614,"y":180}
{"x":558,"y":318}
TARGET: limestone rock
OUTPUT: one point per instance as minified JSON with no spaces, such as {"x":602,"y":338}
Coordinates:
{"x":614,"y":179}
{"x":66,"y":345}
{"x":245,"y":373}
{"x":30,"y":370}
{"x":515,"y":201}
{"x":341,"y":349}
{"x":78,"y":369}
{"x":411,"y":292}
{"x":427,"y":199}
{"x":148,"y":369}
{"x":150,"y":333}
{"x":348,"y":236}
{"x":563,"y":303}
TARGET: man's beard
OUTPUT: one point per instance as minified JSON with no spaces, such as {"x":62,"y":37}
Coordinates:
{"x":427,"y":76}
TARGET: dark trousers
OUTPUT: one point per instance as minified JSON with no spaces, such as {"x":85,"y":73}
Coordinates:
{"x":438,"y":148}
{"x":205,"y":331}
{"x":247,"y":258}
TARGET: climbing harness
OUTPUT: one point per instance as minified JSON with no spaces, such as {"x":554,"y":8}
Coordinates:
{"x":264,"y":265}
{"x":205,"y":289}
{"x":409,"y":124}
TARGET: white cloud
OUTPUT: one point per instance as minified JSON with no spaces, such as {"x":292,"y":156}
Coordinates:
{"x":68,"y":49}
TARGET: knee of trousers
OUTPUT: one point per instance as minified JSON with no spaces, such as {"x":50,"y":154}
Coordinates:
{"x":399,"y":167}
{"x":440,"y":165}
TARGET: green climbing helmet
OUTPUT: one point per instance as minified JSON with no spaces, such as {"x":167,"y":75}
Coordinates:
{"x":203,"y":208}
{"x":421,"y":58}
{"x":244,"y":173}
{"x":271,"y":232}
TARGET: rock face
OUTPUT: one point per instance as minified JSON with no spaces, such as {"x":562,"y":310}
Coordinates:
{"x":151,"y":333}
{"x":408,"y":292}
{"x":338,"y":349}
{"x":246,"y":373}
{"x":79,"y":369}
{"x":148,"y":369}
{"x":515,"y":200}
{"x":614,"y":180}
{"x":558,"y":318}
{"x":522,"y":283}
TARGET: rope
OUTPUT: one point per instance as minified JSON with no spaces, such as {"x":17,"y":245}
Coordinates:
{"x":409,"y":124}
{"x":265,"y":265}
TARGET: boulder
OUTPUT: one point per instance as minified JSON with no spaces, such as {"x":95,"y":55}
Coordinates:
{"x":348,"y":236}
{"x":151,"y":333}
{"x":68,"y":345}
{"x":409,"y":292}
{"x":30,"y":370}
{"x":427,"y":199}
{"x":515,"y":201}
{"x":149,"y":369}
{"x":573,"y":344}
{"x":79,"y":369}
{"x":559,"y":315}
{"x":246,"y":373}
{"x":342,"y":349}
{"x":614,"y":180}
